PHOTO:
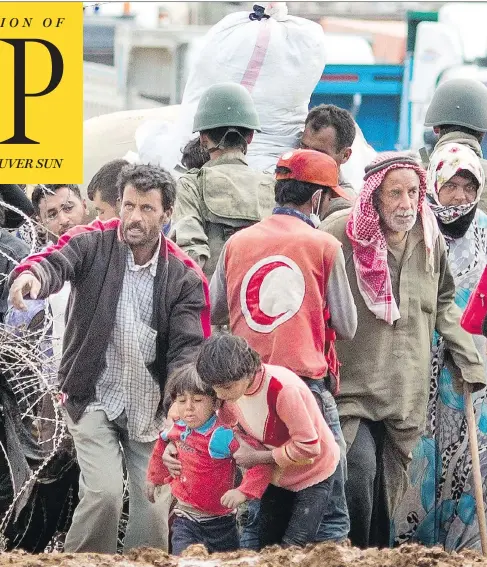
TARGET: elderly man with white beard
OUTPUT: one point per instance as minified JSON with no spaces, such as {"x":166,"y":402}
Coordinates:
{"x":398,"y":272}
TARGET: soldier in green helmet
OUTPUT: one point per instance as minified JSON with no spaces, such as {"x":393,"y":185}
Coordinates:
{"x":458,"y":113}
{"x":224,"y":195}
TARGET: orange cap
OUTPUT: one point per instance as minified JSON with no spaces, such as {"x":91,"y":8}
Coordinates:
{"x":311,"y":166}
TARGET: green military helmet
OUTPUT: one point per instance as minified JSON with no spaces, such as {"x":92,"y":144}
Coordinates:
{"x":462,"y":102}
{"x":226,"y":104}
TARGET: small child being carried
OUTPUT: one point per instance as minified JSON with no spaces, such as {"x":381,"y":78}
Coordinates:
{"x":205,"y":493}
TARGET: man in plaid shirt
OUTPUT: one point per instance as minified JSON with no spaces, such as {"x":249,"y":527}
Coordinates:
{"x":138,"y":310}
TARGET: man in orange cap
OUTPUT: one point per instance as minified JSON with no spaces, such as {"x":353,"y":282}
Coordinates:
{"x":284,"y":286}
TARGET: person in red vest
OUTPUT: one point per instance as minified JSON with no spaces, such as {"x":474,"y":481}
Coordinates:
{"x":284,"y":287}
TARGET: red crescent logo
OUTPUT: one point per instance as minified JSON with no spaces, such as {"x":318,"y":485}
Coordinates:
{"x":272,"y":292}
{"x":253,"y":291}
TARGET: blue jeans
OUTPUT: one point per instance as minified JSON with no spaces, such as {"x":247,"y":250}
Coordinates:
{"x":219,"y":534}
{"x":335,"y":524}
{"x":249,"y":525}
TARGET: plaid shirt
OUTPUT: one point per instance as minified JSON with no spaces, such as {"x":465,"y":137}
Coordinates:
{"x":126,"y":384}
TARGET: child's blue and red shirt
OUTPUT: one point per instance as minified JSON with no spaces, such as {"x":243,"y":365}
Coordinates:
{"x":208,"y":468}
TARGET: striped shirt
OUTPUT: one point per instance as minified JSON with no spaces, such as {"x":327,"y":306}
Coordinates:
{"x":126,"y":384}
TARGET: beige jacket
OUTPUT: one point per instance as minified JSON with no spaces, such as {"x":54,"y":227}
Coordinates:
{"x":385,"y":369}
{"x":213,"y":202}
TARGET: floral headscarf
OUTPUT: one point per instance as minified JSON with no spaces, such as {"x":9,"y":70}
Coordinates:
{"x":445,"y":162}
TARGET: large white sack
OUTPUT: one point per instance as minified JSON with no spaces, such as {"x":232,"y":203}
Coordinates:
{"x":279,"y":60}
{"x":292,"y":55}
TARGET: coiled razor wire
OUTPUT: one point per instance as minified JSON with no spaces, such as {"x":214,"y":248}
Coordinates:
{"x":31,"y":372}
{"x":23,"y":365}
{"x":21,"y":349}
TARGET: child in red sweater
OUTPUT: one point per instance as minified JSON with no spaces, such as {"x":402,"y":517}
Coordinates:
{"x":273,"y":405}
{"x":205,"y":493}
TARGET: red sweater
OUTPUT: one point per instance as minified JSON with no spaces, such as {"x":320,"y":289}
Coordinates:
{"x":208,"y":469}
{"x":280,"y":411}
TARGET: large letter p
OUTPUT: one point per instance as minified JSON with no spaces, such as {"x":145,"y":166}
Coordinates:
{"x":20,"y":95}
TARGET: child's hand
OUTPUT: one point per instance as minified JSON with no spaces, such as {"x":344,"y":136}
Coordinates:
{"x":233,"y":498}
{"x":170,"y":460}
{"x":150,"y":488}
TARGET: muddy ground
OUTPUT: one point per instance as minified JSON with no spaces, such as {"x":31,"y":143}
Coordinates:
{"x":324,"y":555}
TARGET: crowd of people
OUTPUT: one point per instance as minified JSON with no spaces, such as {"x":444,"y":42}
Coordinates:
{"x":268,"y":358}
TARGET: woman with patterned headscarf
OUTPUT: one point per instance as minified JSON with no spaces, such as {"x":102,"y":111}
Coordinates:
{"x":439,"y":506}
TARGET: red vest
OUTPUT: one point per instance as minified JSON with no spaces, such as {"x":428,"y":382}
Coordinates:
{"x":277,"y":275}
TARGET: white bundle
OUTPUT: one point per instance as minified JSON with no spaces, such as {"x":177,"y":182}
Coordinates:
{"x":279,"y":60}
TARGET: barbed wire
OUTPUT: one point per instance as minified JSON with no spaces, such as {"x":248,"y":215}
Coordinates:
{"x":28,"y":364}
{"x":29,"y":370}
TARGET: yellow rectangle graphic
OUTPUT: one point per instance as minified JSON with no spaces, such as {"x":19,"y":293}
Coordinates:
{"x":41,"y":99}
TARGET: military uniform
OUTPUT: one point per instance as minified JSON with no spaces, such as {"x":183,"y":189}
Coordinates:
{"x":213,"y":202}
{"x":225,"y":195}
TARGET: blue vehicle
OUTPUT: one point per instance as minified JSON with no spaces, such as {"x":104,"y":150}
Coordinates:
{"x":368,"y":92}
{"x":376,"y":95}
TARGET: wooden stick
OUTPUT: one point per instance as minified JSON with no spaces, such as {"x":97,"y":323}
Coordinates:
{"x":477,"y":478}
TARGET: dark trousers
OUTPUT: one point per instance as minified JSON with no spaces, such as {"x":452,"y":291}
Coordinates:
{"x":335,"y":523}
{"x":219,"y":534}
{"x":292,"y":518}
{"x":365,"y":487}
